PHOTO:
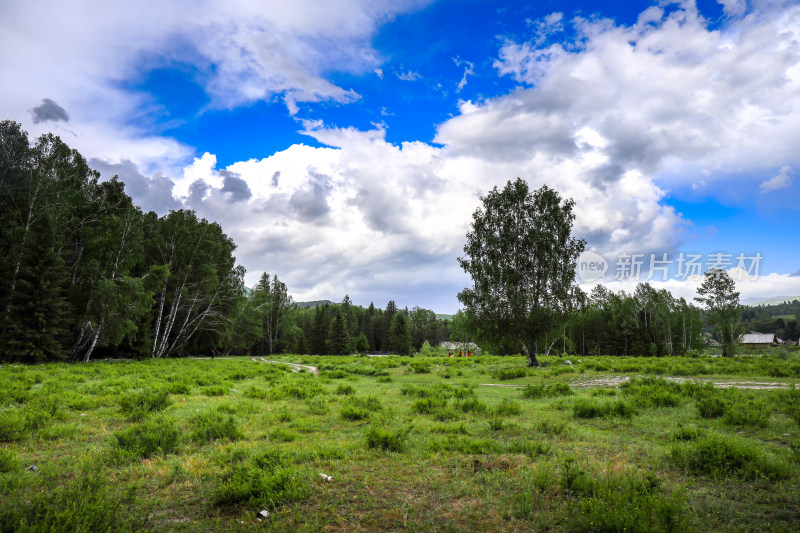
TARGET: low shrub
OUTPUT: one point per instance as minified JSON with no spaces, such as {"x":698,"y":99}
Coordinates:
{"x":215,"y":390}
{"x":317,"y":407}
{"x":86,"y":503}
{"x":386,"y":438}
{"x":747,"y":413}
{"x":254,"y":392}
{"x":360,"y":408}
{"x":465,"y":445}
{"x":214,"y":425}
{"x":686,"y":433}
{"x":505,"y":374}
{"x":8,"y":461}
{"x":429,"y":405}
{"x":265,"y":479}
{"x":720,"y":455}
{"x":155,"y":436}
{"x":711,"y":407}
{"x":534,"y":392}
{"x":12,"y":425}
{"x":470,"y":405}
{"x":529,"y":447}
{"x":496,"y":423}
{"x":591,"y":408}
{"x":420,"y":367}
{"x":506,"y":408}
{"x":334,"y":374}
{"x":384,"y":379}
{"x":299,"y":390}
{"x":137,"y":405}
{"x":345,"y":390}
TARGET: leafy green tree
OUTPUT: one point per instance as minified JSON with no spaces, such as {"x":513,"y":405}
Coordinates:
{"x":521,"y":257}
{"x":399,"y":340}
{"x":718,"y":293}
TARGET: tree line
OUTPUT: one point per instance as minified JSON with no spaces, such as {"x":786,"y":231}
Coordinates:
{"x":267,"y":321}
{"x":86,"y":273}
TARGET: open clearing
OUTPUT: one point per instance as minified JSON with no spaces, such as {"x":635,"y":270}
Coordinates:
{"x":608,"y":443}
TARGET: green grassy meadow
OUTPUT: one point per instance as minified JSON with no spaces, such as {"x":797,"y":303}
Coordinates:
{"x":411,"y":443}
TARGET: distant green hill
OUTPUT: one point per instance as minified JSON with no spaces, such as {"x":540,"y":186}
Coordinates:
{"x":442,"y":316}
{"x":315,"y":303}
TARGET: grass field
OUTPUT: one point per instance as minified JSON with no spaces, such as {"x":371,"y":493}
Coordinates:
{"x":426,"y":444}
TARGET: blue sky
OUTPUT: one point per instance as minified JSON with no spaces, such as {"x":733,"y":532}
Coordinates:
{"x":344,"y":144}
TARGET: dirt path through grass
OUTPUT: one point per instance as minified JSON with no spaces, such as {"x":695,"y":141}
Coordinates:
{"x":295,"y":366}
{"x":615,"y":381}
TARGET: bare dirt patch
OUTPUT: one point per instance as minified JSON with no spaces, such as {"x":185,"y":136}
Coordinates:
{"x":295,"y":366}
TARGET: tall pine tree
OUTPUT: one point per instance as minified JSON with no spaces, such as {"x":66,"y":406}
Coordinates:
{"x":38,"y":326}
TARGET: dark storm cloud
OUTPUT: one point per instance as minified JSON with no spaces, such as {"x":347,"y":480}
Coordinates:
{"x":48,"y":110}
{"x":197,"y":191}
{"x":310,"y":202}
{"x":150,"y":193}
{"x":235,"y":187}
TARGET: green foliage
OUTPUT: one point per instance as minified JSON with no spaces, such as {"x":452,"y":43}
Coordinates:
{"x":711,"y":406}
{"x":9,"y":462}
{"x":137,"y":405}
{"x":420,"y":367}
{"x":85,"y":504}
{"x":505,"y":374}
{"x":718,"y":293}
{"x":506,"y":408}
{"x":154,"y":436}
{"x":214,"y":425}
{"x":257,"y":393}
{"x":386,"y":438}
{"x":12,"y":425}
{"x":546,"y":391}
{"x":356,"y":408}
{"x":522,"y":261}
{"x":264,"y":479}
{"x":592,"y":408}
{"x":721,"y":455}
{"x":345,"y":390}
{"x":297,"y":389}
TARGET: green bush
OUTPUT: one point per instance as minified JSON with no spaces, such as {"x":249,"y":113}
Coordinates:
{"x":711,"y":407}
{"x":629,"y":502}
{"x":421,"y":367}
{"x":428,"y":406}
{"x":214,"y":425}
{"x":496,"y":423}
{"x":154,"y":436}
{"x":533,"y":392}
{"x":719,"y":456}
{"x":8,"y":461}
{"x":385,"y":438}
{"x":265,"y":479}
{"x":214,"y":390}
{"x":317,"y":407}
{"x":137,"y":405}
{"x":84,"y":504}
{"x":506,"y":408}
{"x":360,"y":408}
{"x":464,"y":445}
{"x":470,"y":405}
{"x":384,"y":379}
{"x":345,"y":390}
{"x":256,"y":393}
{"x":746,"y":413}
{"x":505,"y":374}
{"x":529,"y":448}
{"x":591,"y":408}
{"x":179,"y":387}
{"x":12,"y":425}
{"x":334,"y":374}
{"x":299,"y":390}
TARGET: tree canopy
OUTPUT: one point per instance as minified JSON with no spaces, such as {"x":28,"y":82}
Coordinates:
{"x":521,"y":256}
